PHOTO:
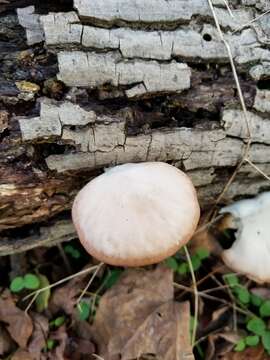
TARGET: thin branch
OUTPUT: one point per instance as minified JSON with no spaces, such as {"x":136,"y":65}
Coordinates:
{"x":82,"y":272}
{"x":242,"y":101}
{"x":208,"y":224}
{"x":256,"y":168}
{"x":89,"y":282}
{"x":228,"y":8}
{"x":214,"y":298}
{"x":251,"y":21}
{"x":221,"y":287}
{"x":196,"y":297}
{"x":98,"y":357}
{"x":31,"y":303}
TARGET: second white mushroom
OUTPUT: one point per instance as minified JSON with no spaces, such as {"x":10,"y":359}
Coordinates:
{"x":250,"y":253}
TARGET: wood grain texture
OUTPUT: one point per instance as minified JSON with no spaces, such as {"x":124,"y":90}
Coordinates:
{"x":124,"y":81}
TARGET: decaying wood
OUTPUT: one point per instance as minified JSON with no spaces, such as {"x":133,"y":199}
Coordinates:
{"x":51,"y":234}
{"x":124,"y":81}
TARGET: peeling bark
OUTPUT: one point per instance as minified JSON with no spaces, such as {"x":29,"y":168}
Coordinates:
{"x":124,"y":81}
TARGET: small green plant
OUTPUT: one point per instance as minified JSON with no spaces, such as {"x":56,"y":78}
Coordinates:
{"x":42,"y":299}
{"x":257,"y":326}
{"x":258,"y":333}
{"x":50,"y":344}
{"x":84,"y":310}
{"x":33,"y":282}
{"x":181,"y":266}
{"x":57,"y":322}
{"x":72,"y":251}
{"x":191,"y":327}
{"x":29,"y":282}
{"x":111,"y":278}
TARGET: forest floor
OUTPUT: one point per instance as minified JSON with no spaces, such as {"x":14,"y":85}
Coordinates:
{"x":108,"y":313}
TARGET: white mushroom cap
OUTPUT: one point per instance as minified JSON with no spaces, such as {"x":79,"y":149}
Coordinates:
{"x":250,"y":253}
{"x":136,"y":214}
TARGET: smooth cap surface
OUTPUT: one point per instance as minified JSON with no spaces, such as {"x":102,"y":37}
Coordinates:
{"x":136,"y":214}
{"x":250,"y":253}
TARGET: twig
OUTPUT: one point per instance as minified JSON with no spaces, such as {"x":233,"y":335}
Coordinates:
{"x":214,"y":298}
{"x":89,"y":282}
{"x":256,"y":168}
{"x":222,"y":287}
{"x":82,"y":272}
{"x":242,"y":101}
{"x":251,"y":21}
{"x":196,"y":297}
{"x":202,"y":280}
{"x":228,"y":8}
{"x":98,"y":357}
{"x":31,"y":303}
{"x":208,"y":224}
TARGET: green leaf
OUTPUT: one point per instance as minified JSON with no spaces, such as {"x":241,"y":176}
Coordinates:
{"x":31,"y":282}
{"x":252,"y":340}
{"x":76,"y":254}
{"x":196,"y":262}
{"x":68,"y":249}
{"x":183,"y":269}
{"x":265,"y":308}
{"x":50,"y":344}
{"x":266,"y":340}
{"x":200,"y":351}
{"x":256,"y":300}
{"x":191,"y":324}
{"x":240,"y":346}
{"x":231,"y":279}
{"x":171,"y":263}
{"x":83,"y":310}
{"x":243,"y":294}
{"x":202,"y":253}
{"x":72,"y":251}
{"x":111,"y":278}
{"x":17,"y":284}
{"x":256,"y":326}
{"x":42,"y":299}
{"x":59,"y":321}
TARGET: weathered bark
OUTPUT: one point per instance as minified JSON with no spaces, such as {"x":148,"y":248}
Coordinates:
{"x":111,"y":82}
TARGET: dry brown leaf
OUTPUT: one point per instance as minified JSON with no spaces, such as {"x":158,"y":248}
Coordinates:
{"x":170,"y":338}
{"x":251,"y":353}
{"x":39,"y":336}
{"x":77,"y":348}
{"x":19,"y":326}
{"x":205,"y":239}
{"x":138,"y":316}
{"x":22,"y":355}
{"x":6,"y":343}
{"x":216,"y":315}
{"x":60,"y":336}
{"x":221,"y":343}
{"x":65,"y":297}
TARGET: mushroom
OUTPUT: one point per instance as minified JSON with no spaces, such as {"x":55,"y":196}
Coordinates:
{"x":250,"y":253}
{"x":136,"y":214}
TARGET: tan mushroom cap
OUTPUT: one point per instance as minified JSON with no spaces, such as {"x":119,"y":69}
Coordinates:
{"x":136,"y":214}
